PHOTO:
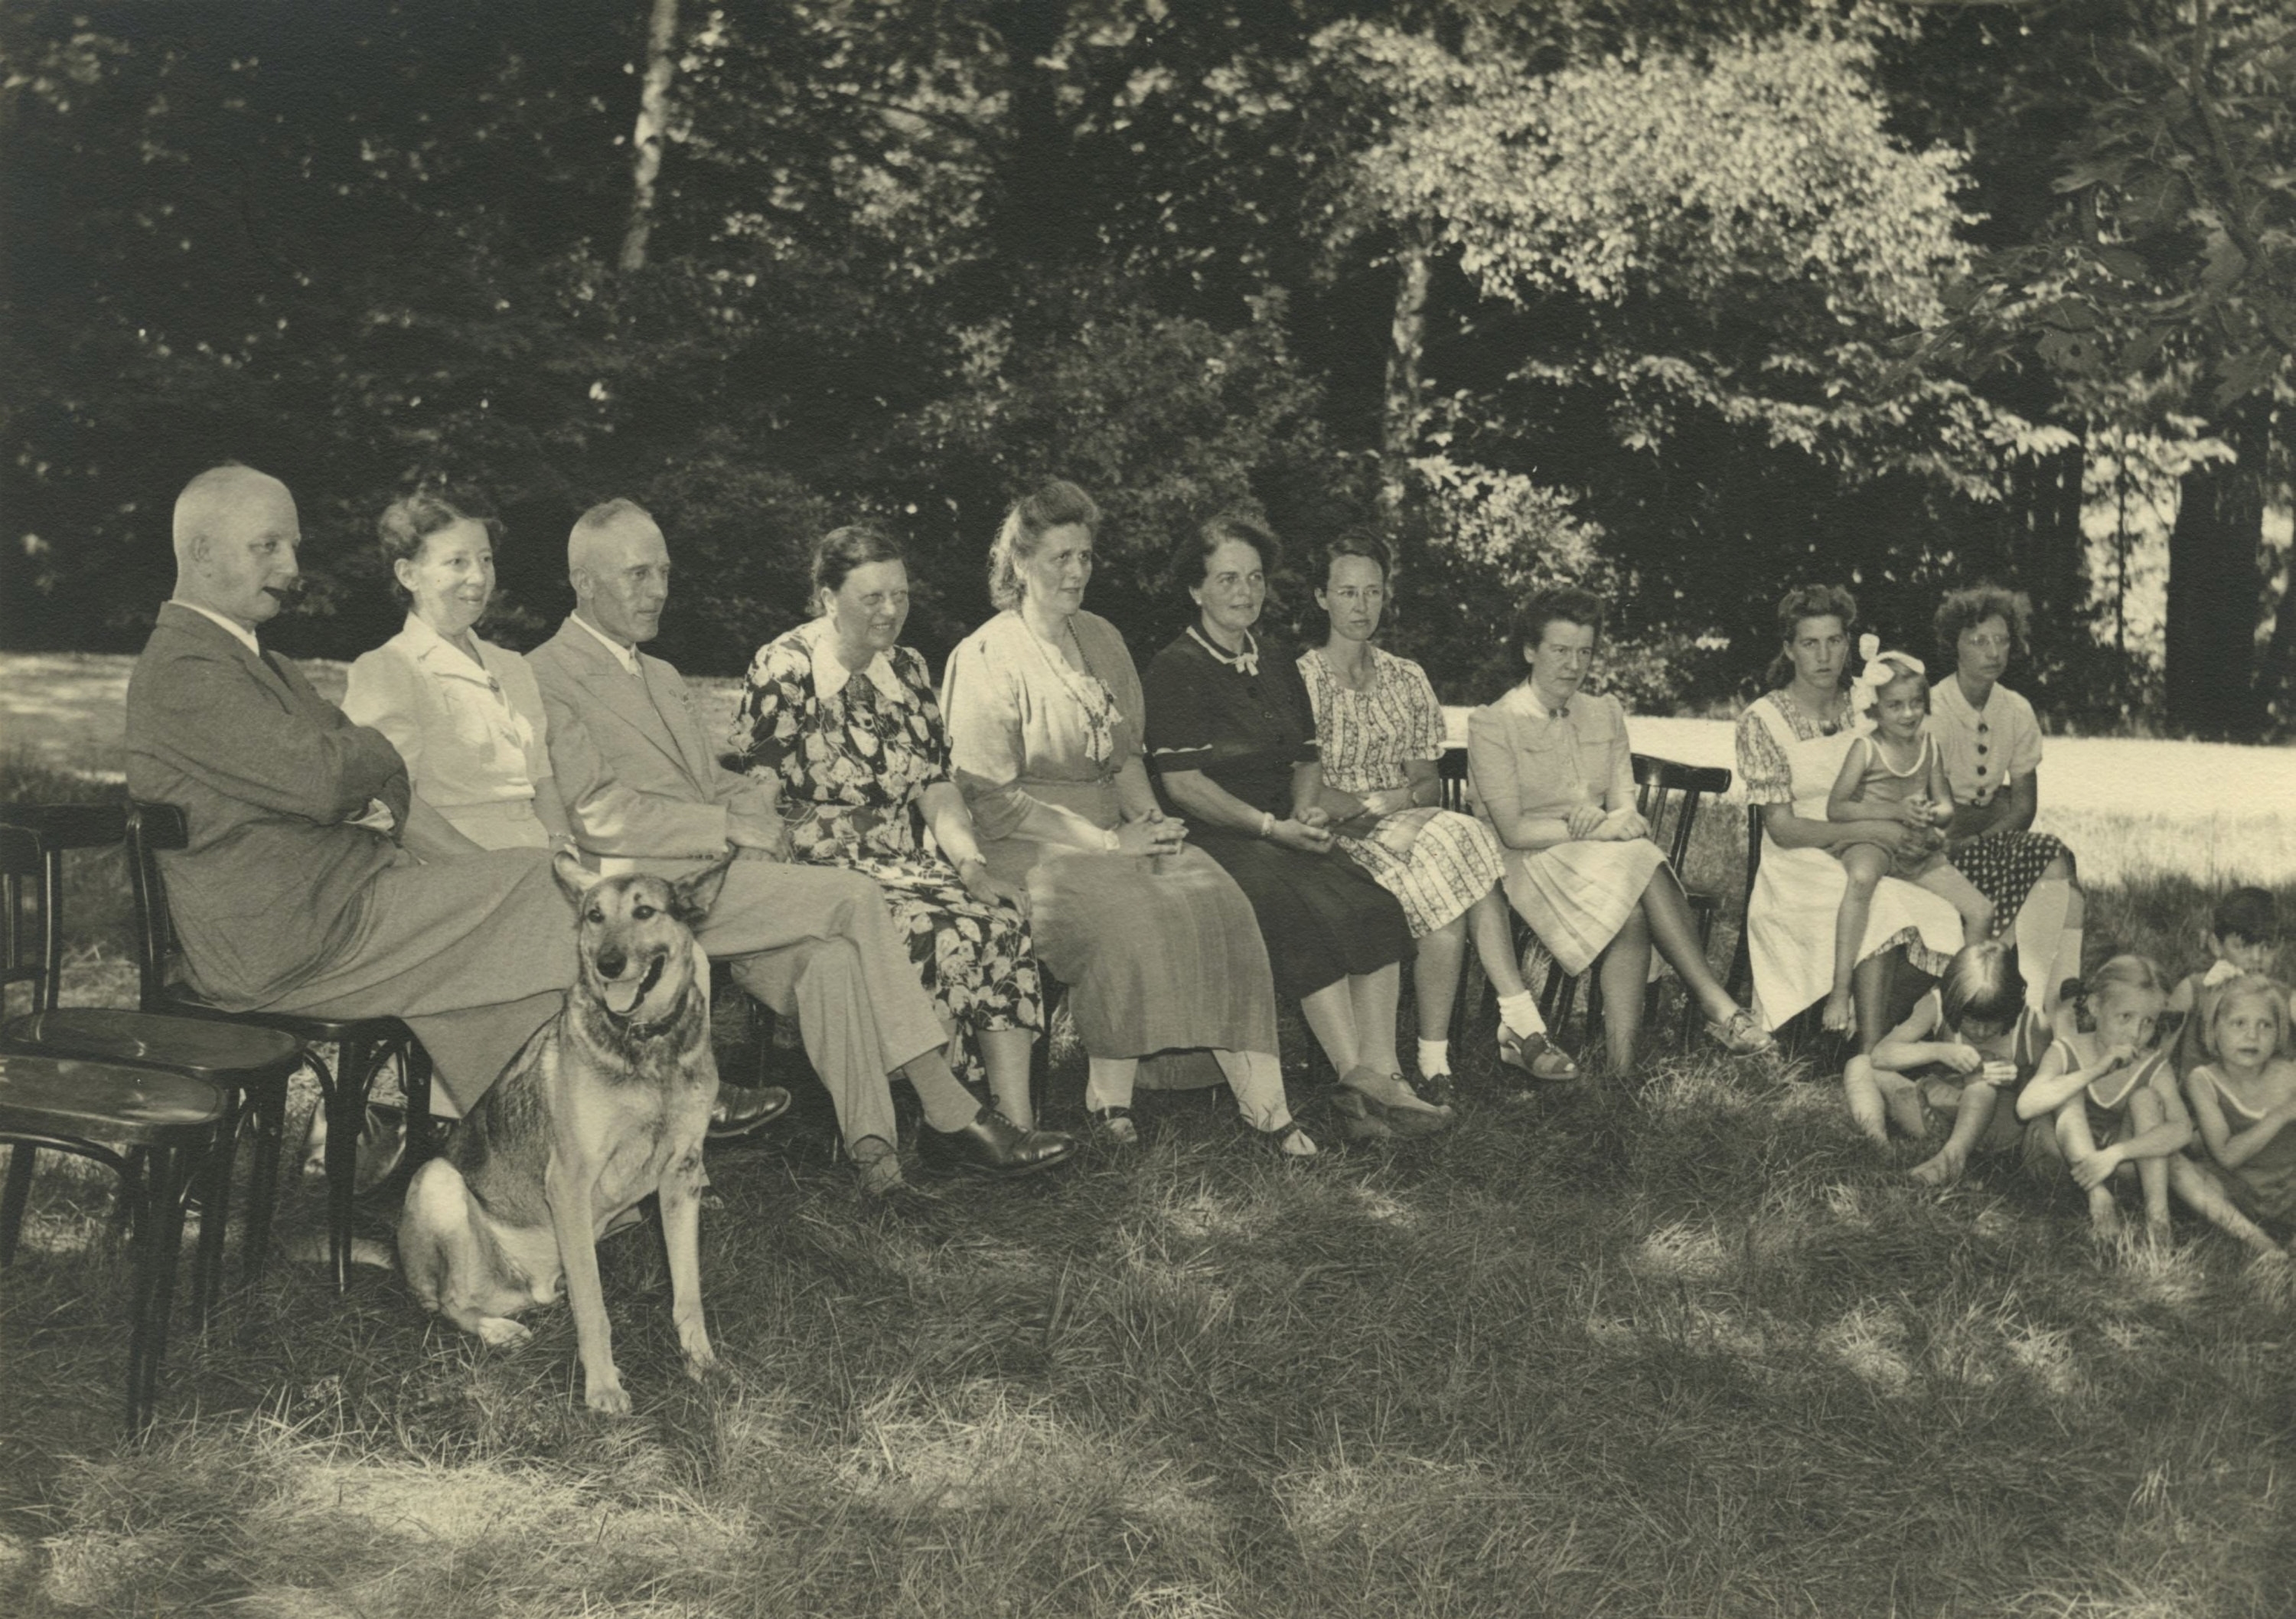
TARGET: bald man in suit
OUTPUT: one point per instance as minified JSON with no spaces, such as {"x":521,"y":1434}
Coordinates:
{"x":295,"y":894}
{"x":644,"y":792}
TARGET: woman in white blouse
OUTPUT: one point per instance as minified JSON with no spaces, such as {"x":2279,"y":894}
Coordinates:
{"x":465,"y":714}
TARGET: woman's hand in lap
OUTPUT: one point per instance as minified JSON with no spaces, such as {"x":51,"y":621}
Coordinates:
{"x":1585,"y":821}
{"x":1300,"y":835}
{"x":989,"y":889}
{"x":1624,"y":826}
{"x":1150,"y":835}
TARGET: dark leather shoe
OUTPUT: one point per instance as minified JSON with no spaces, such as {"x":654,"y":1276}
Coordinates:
{"x":743,"y":1110}
{"x":992,"y":1145}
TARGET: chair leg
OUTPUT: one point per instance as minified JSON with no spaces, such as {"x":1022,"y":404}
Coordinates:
{"x":159,"y":1244}
{"x":215,"y":1210}
{"x":356,"y":1062}
{"x":269,"y":1107}
{"x":15,"y":1199}
{"x":414,"y":1085}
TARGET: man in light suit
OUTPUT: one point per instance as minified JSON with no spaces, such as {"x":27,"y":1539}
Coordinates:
{"x":645,"y":791}
{"x":294,"y":894}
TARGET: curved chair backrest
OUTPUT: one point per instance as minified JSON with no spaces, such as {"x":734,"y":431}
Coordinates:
{"x":1451,"y":775}
{"x":152,"y":828}
{"x":26,"y":928}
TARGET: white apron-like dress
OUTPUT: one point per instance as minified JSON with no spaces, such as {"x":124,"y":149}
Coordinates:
{"x":1798,"y":892}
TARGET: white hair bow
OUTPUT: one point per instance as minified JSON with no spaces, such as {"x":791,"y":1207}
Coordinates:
{"x":1882,"y":666}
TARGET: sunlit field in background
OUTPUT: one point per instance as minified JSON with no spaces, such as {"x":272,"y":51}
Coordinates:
{"x":1675,"y":1343}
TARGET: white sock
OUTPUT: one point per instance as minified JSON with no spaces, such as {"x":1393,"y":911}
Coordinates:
{"x":1520,"y":1012}
{"x":1434,"y":1058}
{"x":2068,"y":962}
{"x":2037,"y":931}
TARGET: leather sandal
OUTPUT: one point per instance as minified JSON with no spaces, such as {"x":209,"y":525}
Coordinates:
{"x":1535,"y":1054}
{"x":1404,"y":1111}
{"x":1291,"y":1143}
{"x":992,"y":1145}
{"x":1740,"y":1035}
{"x":1114,"y":1126}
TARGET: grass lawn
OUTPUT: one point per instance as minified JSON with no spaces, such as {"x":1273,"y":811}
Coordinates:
{"x":1684,"y":1345}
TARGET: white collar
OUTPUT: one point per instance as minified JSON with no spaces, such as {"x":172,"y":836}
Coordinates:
{"x":425,"y":640}
{"x":1244,"y":662}
{"x":246,"y":636}
{"x":830,"y":673}
{"x":627,"y":656}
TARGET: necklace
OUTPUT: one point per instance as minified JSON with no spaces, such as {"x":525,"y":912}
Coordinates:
{"x":1244,"y":662}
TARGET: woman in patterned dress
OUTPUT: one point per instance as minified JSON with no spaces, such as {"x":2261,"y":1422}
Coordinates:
{"x":1791,"y":744}
{"x":843,"y":720}
{"x":1158,"y":948}
{"x":1552,"y":770}
{"x":1992,"y":748}
{"x":1381,"y":733}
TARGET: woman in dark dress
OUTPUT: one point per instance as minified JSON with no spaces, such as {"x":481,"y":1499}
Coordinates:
{"x":1232,"y":736}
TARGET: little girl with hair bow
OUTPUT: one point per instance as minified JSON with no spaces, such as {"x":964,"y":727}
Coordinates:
{"x":1892,"y":773}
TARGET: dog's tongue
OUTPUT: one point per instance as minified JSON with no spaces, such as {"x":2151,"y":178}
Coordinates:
{"x":622,"y":994}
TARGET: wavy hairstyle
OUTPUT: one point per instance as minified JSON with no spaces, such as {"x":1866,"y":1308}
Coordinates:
{"x":1053,"y":504}
{"x":855,"y":545}
{"x":1965,"y":610}
{"x":1806,"y":602}
{"x":411,"y":520}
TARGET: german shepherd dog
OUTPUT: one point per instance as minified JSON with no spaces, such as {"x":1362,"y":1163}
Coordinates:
{"x":607,"y":1103}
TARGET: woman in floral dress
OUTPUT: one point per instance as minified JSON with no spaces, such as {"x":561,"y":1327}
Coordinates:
{"x":1381,"y":733}
{"x":844,"y":719}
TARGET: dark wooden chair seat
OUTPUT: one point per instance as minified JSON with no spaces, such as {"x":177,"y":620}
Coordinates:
{"x":363,"y":1047}
{"x":205,"y":1048}
{"x":157,"y":1133}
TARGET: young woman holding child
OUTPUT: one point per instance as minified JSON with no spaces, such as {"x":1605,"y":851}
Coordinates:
{"x":1893,"y":773}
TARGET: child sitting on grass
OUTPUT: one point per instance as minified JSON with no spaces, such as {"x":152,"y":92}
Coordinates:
{"x":1964,"y":1041}
{"x":2242,"y":937}
{"x":2244,"y":1096}
{"x":1894,"y":773}
{"x":2103,"y":1102}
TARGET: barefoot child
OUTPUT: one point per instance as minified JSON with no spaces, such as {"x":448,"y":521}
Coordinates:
{"x":1964,"y":1041}
{"x":2244,"y":1096}
{"x":2242,"y":937}
{"x":2104,"y":1099}
{"x":1894,"y":773}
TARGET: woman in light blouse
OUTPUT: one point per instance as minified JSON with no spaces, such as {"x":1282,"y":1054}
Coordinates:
{"x":1156,"y":943}
{"x":1552,"y":770}
{"x":463,"y":713}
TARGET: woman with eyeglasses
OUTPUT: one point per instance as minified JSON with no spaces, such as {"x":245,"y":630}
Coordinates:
{"x":1992,"y":749}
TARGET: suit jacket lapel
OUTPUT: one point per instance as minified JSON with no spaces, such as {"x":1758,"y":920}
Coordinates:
{"x":669,"y":692}
{"x":630,"y":701}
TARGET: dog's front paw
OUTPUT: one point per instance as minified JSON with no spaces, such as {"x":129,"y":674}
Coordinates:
{"x":607,"y":1397}
{"x":700,"y":1362}
{"x":502,"y":1332}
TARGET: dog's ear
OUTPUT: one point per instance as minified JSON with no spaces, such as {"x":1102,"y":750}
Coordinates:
{"x":575,"y":878}
{"x":691,"y":897}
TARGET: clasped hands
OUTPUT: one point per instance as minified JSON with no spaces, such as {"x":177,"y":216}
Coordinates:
{"x":1593,"y":823}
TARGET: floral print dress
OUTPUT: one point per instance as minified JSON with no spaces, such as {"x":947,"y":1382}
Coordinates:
{"x":852,"y":754}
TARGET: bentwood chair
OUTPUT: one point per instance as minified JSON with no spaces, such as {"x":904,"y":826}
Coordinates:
{"x":157,"y":1133}
{"x":363,"y":1046}
{"x":250,"y":1067}
{"x":1667,"y":795}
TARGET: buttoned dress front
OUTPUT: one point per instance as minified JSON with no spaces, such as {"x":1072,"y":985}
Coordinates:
{"x":1324,"y":918}
{"x":472,"y":734}
{"x":1525,"y":762}
{"x":1986,"y":750}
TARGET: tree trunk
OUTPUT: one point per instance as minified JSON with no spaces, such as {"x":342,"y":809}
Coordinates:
{"x":1038,"y":218}
{"x":1407,"y":340}
{"x":653,"y":117}
{"x":2213,"y":584}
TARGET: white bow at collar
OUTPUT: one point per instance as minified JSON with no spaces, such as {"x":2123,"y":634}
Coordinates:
{"x":830,"y":673}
